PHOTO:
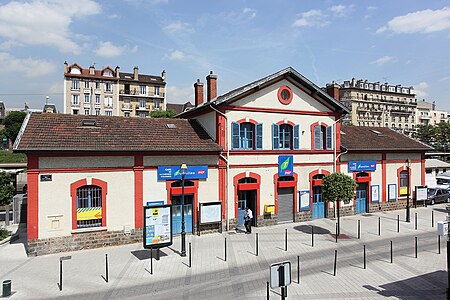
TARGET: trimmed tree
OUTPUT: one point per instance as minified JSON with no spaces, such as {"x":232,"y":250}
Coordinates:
{"x":13,"y":122}
{"x":338,"y":187}
{"x":6,"y":189}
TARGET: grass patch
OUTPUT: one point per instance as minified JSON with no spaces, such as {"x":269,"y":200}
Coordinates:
{"x":9,"y":157}
{"x":3,"y":234}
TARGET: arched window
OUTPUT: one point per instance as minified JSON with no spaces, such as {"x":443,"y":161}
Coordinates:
{"x":323,"y":137}
{"x":404,"y":183}
{"x":89,"y":206}
{"x":285,"y":136}
{"x":247,"y":131}
{"x":246,"y":136}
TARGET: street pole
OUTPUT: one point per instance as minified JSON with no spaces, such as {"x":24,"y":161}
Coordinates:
{"x":408,"y":218}
{"x":183,"y":170}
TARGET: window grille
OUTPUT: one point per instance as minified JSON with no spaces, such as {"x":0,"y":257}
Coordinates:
{"x":89,"y":198}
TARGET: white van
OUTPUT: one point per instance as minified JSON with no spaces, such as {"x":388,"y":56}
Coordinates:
{"x":443,"y":180}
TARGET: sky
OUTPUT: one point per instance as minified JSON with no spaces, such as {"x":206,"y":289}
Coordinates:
{"x":399,"y":42}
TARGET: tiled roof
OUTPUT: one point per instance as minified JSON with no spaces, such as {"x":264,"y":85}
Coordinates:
{"x":59,"y":132}
{"x":378,"y":139}
{"x":141,"y":78}
{"x":179,"y":108}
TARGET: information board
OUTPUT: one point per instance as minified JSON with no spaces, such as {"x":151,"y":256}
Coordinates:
{"x":210,"y":212}
{"x":375,"y":193}
{"x":157,"y":226}
{"x":173,"y":172}
{"x":392,"y":192}
{"x":285,"y":166}
{"x":421,"y":193}
{"x":304,"y":199}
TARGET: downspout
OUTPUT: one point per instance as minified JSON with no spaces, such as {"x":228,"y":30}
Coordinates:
{"x":228,"y":165}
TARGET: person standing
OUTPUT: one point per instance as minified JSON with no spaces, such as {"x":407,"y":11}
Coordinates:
{"x":248,"y":217}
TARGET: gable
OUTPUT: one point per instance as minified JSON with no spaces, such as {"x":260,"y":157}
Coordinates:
{"x":282,"y":95}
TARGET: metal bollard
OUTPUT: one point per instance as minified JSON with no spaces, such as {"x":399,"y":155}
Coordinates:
{"x":398,"y":223}
{"x":415,"y":248}
{"x":312,"y":236}
{"x":268,"y":291}
{"x":439,"y":244}
{"x":60,"y":275}
{"x":392,"y":254}
{"x":432,"y":218}
{"x":6,"y":288}
{"x":151,"y":261}
{"x":335,"y":262}
{"x":285,"y":240}
{"x":415,"y":221}
{"x":106,"y":267}
{"x":298,"y":269}
{"x":379,"y":226}
{"x":225,"y":249}
{"x":190,"y":255}
{"x":336,"y":232}
{"x":364,"y":256}
{"x":257,"y":240}
{"x":359,"y":229}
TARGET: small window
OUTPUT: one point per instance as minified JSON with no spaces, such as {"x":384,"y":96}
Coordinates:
{"x":86,"y":84}
{"x":143,"y":90}
{"x":156,"y":90}
{"x":89,"y":198}
{"x":404,"y":183}
{"x":75,"y":84}
{"x":246,"y":136}
{"x":108,"y":113}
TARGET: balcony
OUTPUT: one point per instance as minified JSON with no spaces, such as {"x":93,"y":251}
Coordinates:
{"x":108,"y":91}
{"x":130,"y":92}
{"x":97,"y":91}
{"x":146,"y":108}
{"x":425,"y":117}
{"x":127,"y":106}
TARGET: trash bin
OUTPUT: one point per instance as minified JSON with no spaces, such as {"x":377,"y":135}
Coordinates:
{"x":6,"y":288}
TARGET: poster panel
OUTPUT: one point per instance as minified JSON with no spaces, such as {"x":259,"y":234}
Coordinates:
{"x":304,"y":199}
{"x":375,"y":193}
{"x":157,"y":226}
{"x":392,"y":192}
{"x":421,"y":193}
{"x":210,"y":212}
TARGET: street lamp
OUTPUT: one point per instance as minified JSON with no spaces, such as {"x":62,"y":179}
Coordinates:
{"x":183,"y":171}
{"x":408,"y":218}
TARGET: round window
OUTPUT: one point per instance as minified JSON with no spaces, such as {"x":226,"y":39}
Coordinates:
{"x":285,"y":95}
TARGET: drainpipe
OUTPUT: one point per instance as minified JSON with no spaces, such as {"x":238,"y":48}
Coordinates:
{"x":228,"y":166}
{"x":334,"y":146}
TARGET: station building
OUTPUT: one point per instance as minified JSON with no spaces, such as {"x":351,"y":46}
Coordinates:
{"x":265,"y":145}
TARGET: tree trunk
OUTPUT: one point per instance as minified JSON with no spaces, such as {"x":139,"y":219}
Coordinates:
{"x":338,"y":216}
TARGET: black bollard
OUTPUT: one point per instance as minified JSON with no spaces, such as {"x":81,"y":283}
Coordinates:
{"x":364,"y":256}
{"x":225,"y":249}
{"x":392,"y":254}
{"x":151,"y":261}
{"x":268,"y":291}
{"x":432,"y":218}
{"x":359,"y":229}
{"x":106,"y":265}
{"x":257,"y":250}
{"x":336,"y":232}
{"x":190,"y":255}
{"x":285,"y":240}
{"x":335,"y":262}
{"x":415,"y":248}
{"x":298,"y":269}
{"x":312,"y":236}
{"x":439,"y":244}
{"x":415,"y":223}
{"x":379,"y":226}
{"x":398,"y":223}
{"x":60,"y":274}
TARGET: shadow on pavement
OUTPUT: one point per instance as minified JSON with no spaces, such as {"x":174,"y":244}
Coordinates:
{"x":307,"y":229}
{"x":145,"y":254}
{"x":402,"y":289}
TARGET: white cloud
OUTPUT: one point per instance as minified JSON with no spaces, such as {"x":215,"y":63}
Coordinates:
{"x":180,"y":94}
{"x":178,"y":27}
{"x":424,"y":21}
{"x":31,"y":67}
{"x":444,"y":78}
{"x":421,"y":89}
{"x":341,"y":10}
{"x":311,"y":18}
{"x":108,"y":49}
{"x":251,"y":12}
{"x":44,"y":22}
{"x":384,"y":60}
{"x":176,"y":55}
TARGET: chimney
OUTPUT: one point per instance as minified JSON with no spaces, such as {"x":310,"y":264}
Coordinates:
{"x":211,"y":86}
{"x":198,"y":92}
{"x":353,"y":82}
{"x":135,"y":73}
{"x":66,"y":67}
{"x":91,"y":70}
{"x":117,"y":70}
{"x":163,"y":75}
{"x":333,"y":90}
{"x":434,"y":105}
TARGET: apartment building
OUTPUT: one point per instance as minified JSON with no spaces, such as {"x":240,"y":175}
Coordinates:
{"x":427,"y":114}
{"x":110,"y":92}
{"x":377,"y":104}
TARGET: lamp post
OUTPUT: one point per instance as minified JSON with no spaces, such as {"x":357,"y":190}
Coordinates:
{"x":183,"y":171}
{"x":408,"y":218}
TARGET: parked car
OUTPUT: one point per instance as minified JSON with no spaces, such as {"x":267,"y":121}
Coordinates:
{"x":437,"y":195}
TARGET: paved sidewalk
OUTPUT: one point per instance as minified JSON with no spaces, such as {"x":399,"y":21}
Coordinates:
{"x":244,"y":275}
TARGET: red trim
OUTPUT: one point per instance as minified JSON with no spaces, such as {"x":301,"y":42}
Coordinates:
{"x":278,"y":111}
{"x":399,"y":170}
{"x":286,"y":122}
{"x":221,"y":125}
{"x":338,"y":133}
{"x":285,"y":184}
{"x":312,"y":184}
{"x":188,"y":190}
{"x":33,"y":201}
{"x":222,"y":186}
{"x":280,"y":98}
{"x":237,"y":187}
{"x":383,"y":178}
{"x":87,"y":170}
{"x":278,"y":152}
{"x":311,"y":130}
{"x":366,"y":179}
{"x":315,"y":164}
{"x":73,"y":194}
{"x":422,"y":169}
{"x":247,"y":121}
{"x":138,"y":190}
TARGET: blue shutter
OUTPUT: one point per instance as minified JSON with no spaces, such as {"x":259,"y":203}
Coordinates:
{"x":235,"y":136}
{"x":318,"y":144}
{"x":297,"y":137}
{"x":329,"y":137}
{"x":275,"y":137}
{"x":259,"y":136}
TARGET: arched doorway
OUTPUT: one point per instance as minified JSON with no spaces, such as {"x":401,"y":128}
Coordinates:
{"x":246,"y":195}
{"x":362,"y":192}
{"x":285,"y":197}
{"x":190,"y":194}
{"x":318,"y":207}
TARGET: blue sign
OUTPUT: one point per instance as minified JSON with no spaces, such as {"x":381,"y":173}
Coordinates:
{"x":173,"y":172}
{"x":361,"y":166}
{"x":285,"y":166}
{"x":153,"y":203}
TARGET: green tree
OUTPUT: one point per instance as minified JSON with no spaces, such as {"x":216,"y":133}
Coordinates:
{"x":338,"y":187}
{"x":442,"y":136}
{"x":425,"y":134}
{"x":12,"y":123}
{"x":162,"y":113}
{"x":6,"y":188}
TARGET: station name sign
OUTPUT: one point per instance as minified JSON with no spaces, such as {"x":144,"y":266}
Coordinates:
{"x":173,"y":172}
{"x":361,"y":166}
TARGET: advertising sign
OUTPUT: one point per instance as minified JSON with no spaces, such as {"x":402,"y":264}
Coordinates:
{"x":157,"y":226}
{"x":375,"y":193}
{"x":210,"y":212}
{"x":392,"y":192}
{"x":89,"y":213}
{"x":361,"y":166}
{"x":173,"y":172}
{"x":285,"y":166}
{"x":304,"y":199}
